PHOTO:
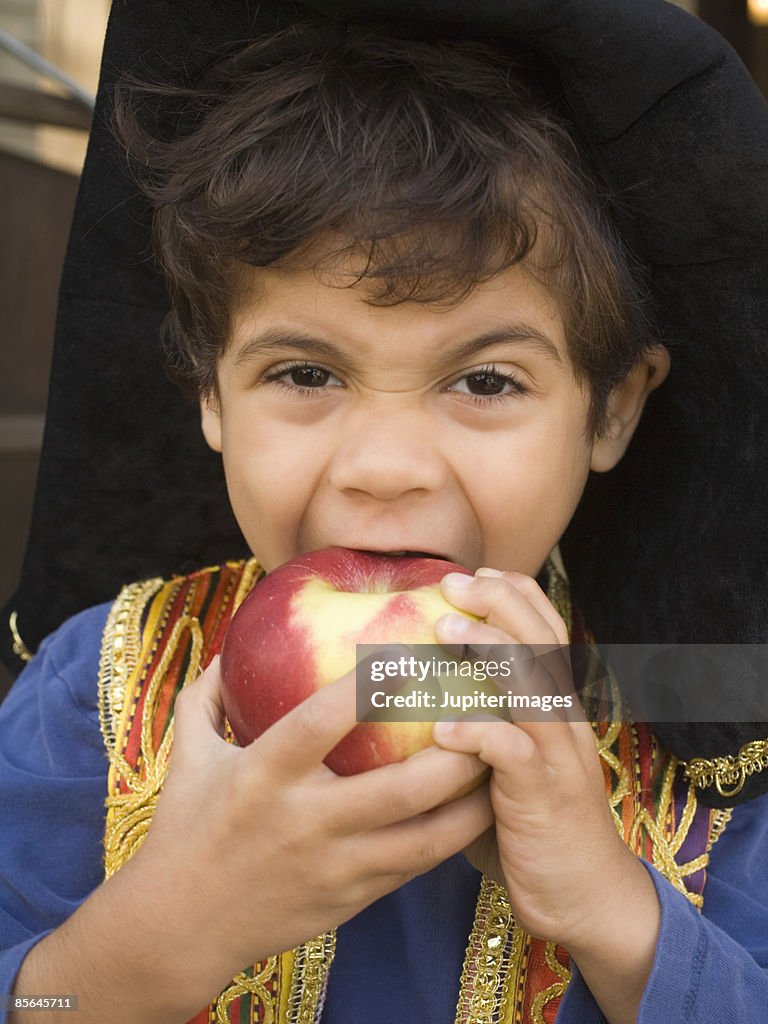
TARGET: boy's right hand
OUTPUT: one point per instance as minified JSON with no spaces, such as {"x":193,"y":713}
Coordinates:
{"x":254,"y":850}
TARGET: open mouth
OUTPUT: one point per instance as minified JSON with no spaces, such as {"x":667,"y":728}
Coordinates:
{"x":408,"y":554}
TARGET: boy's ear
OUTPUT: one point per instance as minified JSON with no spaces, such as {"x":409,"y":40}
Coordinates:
{"x":625,"y":407}
{"x":210,"y":421}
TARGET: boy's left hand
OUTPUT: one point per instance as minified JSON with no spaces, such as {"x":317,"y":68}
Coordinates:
{"x":563,"y":863}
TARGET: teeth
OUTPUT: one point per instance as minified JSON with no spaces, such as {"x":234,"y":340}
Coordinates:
{"x":411,"y":554}
{"x":405,"y":554}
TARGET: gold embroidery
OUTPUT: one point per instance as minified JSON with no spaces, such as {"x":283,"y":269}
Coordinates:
{"x":555,"y":990}
{"x":251,"y":572}
{"x":20,"y":649}
{"x":312,"y":961}
{"x":492,"y":956}
{"x":728,"y":774}
{"x":129,"y":814}
{"x":256,"y":986}
{"x":127,"y":650}
{"x":719,"y":821}
{"x":494,"y":976}
{"x":559,"y":594}
{"x":664,"y":845}
{"x":120,"y":653}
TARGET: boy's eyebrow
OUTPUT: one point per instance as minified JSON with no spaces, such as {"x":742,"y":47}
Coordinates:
{"x":513,"y":331}
{"x":274,"y":339}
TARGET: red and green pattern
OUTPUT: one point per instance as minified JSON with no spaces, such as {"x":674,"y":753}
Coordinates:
{"x":206,"y":596}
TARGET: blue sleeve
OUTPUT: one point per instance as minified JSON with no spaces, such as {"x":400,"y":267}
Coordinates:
{"x":710,"y":968}
{"x":53,"y":781}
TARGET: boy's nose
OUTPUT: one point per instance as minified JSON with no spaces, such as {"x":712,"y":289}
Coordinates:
{"x":387,"y":455}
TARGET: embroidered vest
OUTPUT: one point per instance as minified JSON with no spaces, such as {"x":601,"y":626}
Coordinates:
{"x":158,"y":637}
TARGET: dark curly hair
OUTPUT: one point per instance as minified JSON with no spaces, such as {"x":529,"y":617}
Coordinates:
{"x":429,"y":161}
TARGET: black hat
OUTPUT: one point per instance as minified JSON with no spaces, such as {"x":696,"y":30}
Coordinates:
{"x":670,"y":547}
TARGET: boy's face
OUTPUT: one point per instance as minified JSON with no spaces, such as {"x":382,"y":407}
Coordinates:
{"x":459,"y":432}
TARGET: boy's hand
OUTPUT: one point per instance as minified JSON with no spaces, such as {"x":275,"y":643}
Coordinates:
{"x":255,"y":850}
{"x":569,"y":876}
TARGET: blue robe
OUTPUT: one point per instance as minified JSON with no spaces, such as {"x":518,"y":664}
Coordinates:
{"x":400,"y":959}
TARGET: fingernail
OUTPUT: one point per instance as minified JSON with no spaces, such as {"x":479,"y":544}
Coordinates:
{"x":443,"y":729}
{"x":485,"y":571}
{"x":454,"y":627}
{"x":459,"y":580}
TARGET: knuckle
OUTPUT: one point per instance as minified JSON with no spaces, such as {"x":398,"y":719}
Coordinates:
{"x":239,"y":794}
{"x":402,"y":800}
{"x":526,"y":584}
{"x":428,"y":854}
{"x":186,"y":695}
{"x":185,"y":703}
{"x":561,"y":630}
{"x":500,"y":651}
{"x":310,"y":720}
{"x":498,"y":586}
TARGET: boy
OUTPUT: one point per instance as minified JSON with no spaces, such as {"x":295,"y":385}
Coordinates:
{"x":411,"y":329}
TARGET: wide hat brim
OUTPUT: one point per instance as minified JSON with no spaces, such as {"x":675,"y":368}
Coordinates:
{"x":670,"y":547}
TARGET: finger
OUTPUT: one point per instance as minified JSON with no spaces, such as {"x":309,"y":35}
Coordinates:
{"x":457,"y":631}
{"x":520,"y":770}
{"x":504,"y":746}
{"x":400,"y":791}
{"x":543,"y":673}
{"x":538,"y":599}
{"x":521,"y":750}
{"x":198,"y":713}
{"x":502,"y":605}
{"x":305,"y":736}
{"x":529,"y":670}
{"x":531,"y":590}
{"x":421,"y":843}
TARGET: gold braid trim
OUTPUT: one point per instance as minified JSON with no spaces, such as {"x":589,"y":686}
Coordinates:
{"x":493,"y":956}
{"x":251,"y":572}
{"x":309,"y":979}
{"x":135,"y":622}
{"x":719,"y":820}
{"x":120,"y":654}
{"x":555,"y":990}
{"x":728,"y":774}
{"x":20,"y":649}
{"x":257,"y":986}
{"x":129,"y":814}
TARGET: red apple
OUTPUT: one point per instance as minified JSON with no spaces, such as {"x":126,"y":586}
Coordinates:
{"x":297,"y":630}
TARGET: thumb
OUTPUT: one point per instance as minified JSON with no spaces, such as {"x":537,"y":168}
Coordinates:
{"x":199,"y":710}
{"x":466,"y":735}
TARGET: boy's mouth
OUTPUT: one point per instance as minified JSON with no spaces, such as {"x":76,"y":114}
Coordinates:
{"x":408,"y":554}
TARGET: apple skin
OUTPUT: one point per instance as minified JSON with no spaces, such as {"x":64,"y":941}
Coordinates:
{"x":297,"y":630}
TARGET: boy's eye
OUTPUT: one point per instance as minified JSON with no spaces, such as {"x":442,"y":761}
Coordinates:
{"x":302,"y":377}
{"x":308,"y":376}
{"x":485,"y":383}
{"x":488,"y":383}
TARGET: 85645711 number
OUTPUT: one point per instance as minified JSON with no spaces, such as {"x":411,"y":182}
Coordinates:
{"x":39,"y":1002}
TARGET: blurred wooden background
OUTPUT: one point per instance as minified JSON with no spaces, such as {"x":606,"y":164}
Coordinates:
{"x":43,"y":135}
